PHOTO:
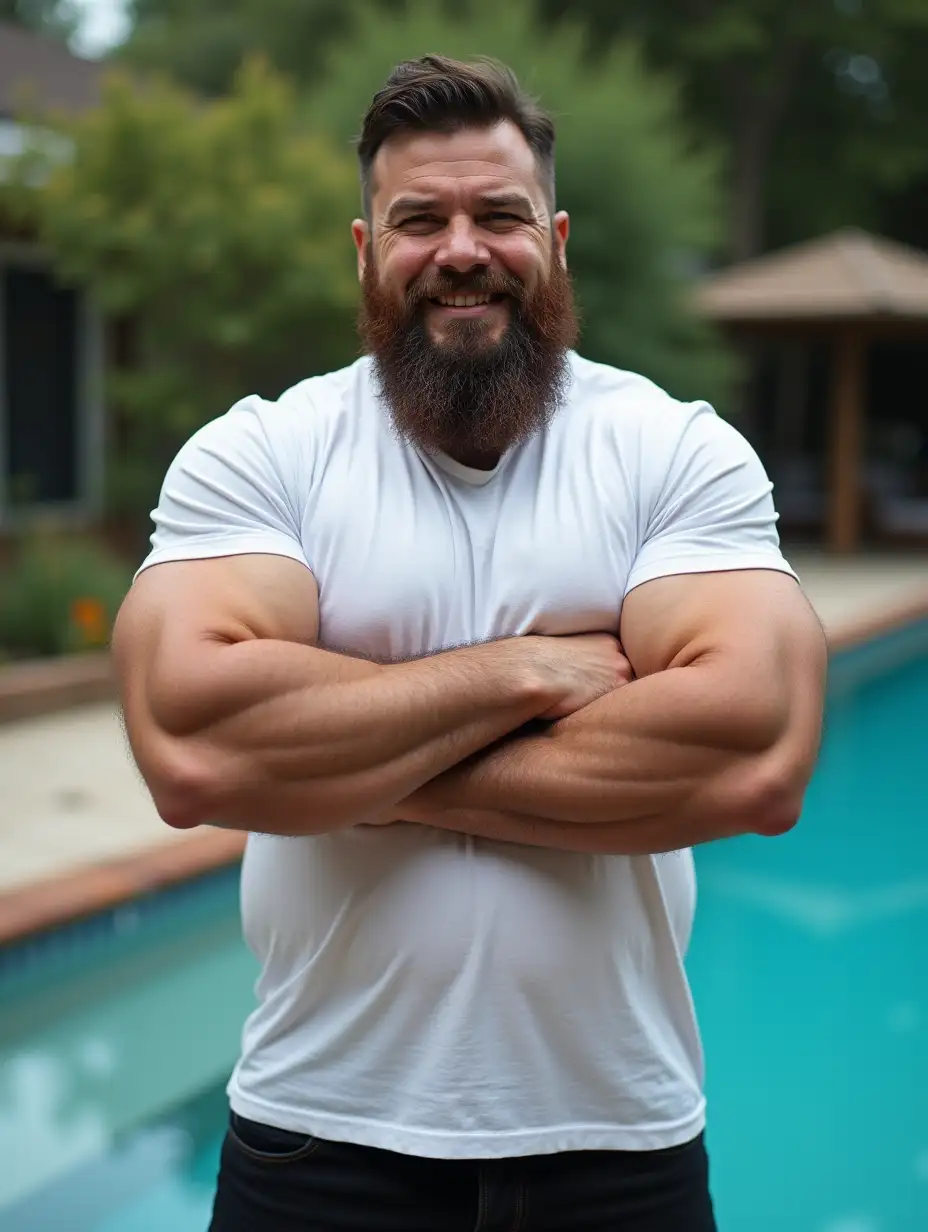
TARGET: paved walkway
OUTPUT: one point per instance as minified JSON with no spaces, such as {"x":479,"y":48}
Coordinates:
{"x":70,"y":795}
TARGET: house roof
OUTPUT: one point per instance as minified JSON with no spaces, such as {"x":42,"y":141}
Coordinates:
{"x":44,"y":73}
{"x":848,"y":275}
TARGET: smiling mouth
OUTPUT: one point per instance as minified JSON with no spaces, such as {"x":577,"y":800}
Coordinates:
{"x":466,"y":301}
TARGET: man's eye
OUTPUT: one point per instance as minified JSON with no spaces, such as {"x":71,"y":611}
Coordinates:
{"x":502,"y":216}
{"x":421,"y":220}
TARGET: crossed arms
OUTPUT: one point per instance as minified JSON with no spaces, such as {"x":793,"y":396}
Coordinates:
{"x":235,"y":717}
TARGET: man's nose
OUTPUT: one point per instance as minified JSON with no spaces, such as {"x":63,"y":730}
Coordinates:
{"x":461,"y":247}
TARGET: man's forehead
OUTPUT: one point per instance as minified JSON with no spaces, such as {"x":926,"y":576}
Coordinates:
{"x":472,"y":161}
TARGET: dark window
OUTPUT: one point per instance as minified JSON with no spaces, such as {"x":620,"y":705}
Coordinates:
{"x":40,"y":372}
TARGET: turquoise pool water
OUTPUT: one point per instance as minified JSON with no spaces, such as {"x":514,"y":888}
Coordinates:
{"x":809,"y":965}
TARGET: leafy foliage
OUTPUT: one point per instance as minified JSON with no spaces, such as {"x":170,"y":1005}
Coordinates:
{"x":203,"y":42}
{"x":817,"y":106}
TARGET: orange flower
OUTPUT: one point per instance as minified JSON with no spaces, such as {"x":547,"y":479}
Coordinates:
{"x":89,"y":617}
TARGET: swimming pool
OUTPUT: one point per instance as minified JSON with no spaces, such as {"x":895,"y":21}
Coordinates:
{"x":809,"y":965}
{"x":115,"y":1045}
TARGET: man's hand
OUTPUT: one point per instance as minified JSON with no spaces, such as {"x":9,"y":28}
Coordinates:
{"x":586,"y":666}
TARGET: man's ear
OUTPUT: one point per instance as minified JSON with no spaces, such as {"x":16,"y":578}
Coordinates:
{"x":561,"y":225}
{"x":361,"y":234}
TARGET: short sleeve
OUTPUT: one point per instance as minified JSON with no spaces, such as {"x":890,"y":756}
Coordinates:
{"x":228,"y":493}
{"x":711,"y":507}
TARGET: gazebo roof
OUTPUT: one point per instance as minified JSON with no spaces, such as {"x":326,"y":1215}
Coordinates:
{"x":848,"y":275}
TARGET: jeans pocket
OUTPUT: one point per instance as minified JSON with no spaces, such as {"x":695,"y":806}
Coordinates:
{"x":269,"y":1145}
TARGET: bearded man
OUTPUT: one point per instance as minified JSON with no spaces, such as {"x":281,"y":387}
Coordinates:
{"x":476,"y":639}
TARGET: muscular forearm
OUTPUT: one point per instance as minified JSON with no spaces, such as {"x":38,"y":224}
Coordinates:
{"x":288,"y":739}
{"x":679,"y":757}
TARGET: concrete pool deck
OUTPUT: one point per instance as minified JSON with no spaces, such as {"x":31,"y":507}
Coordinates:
{"x":78,"y":831}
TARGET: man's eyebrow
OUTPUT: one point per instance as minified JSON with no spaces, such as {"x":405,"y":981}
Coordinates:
{"x":409,"y":205}
{"x":499,"y":200}
{"x":508,"y":201}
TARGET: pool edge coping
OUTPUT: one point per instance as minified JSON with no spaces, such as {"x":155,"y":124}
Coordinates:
{"x":66,"y":898}
{"x":53,"y":902}
{"x":40,"y":688}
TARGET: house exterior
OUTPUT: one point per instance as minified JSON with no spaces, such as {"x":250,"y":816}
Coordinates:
{"x":51,"y":338}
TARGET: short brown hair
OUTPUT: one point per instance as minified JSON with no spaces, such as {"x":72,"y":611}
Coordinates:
{"x":435,"y":94}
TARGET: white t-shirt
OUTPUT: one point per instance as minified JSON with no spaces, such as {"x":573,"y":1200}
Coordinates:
{"x":423,"y":991}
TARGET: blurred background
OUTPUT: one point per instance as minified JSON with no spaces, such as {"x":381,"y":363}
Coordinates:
{"x":748,"y":187}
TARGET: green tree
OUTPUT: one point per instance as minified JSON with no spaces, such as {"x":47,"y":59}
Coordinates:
{"x":219,"y":231}
{"x":643,"y":203}
{"x":854,"y":149}
{"x":818,"y":106}
{"x":815,"y":102}
{"x":203,"y":42}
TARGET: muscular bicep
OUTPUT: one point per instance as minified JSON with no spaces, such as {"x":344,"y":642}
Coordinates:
{"x":675,"y":620}
{"x":178,"y":619}
{"x":230,"y":598}
{"x":752,"y":636}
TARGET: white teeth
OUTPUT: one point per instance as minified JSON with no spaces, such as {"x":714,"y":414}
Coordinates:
{"x":463,"y":301}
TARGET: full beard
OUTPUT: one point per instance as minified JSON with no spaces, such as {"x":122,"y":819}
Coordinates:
{"x":468,"y":394}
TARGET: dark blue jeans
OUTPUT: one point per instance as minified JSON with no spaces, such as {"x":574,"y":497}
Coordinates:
{"x":271,"y":1180}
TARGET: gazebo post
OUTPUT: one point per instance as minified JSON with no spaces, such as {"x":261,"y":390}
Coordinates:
{"x":845,"y":443}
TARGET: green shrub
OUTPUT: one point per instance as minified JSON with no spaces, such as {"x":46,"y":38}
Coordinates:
{"x":59,"y":596}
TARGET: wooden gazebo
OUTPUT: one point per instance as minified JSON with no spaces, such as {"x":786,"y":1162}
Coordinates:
{"x":850,"y":288}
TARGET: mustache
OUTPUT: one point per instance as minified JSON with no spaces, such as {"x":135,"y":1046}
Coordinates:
{"x":480,"y":282}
